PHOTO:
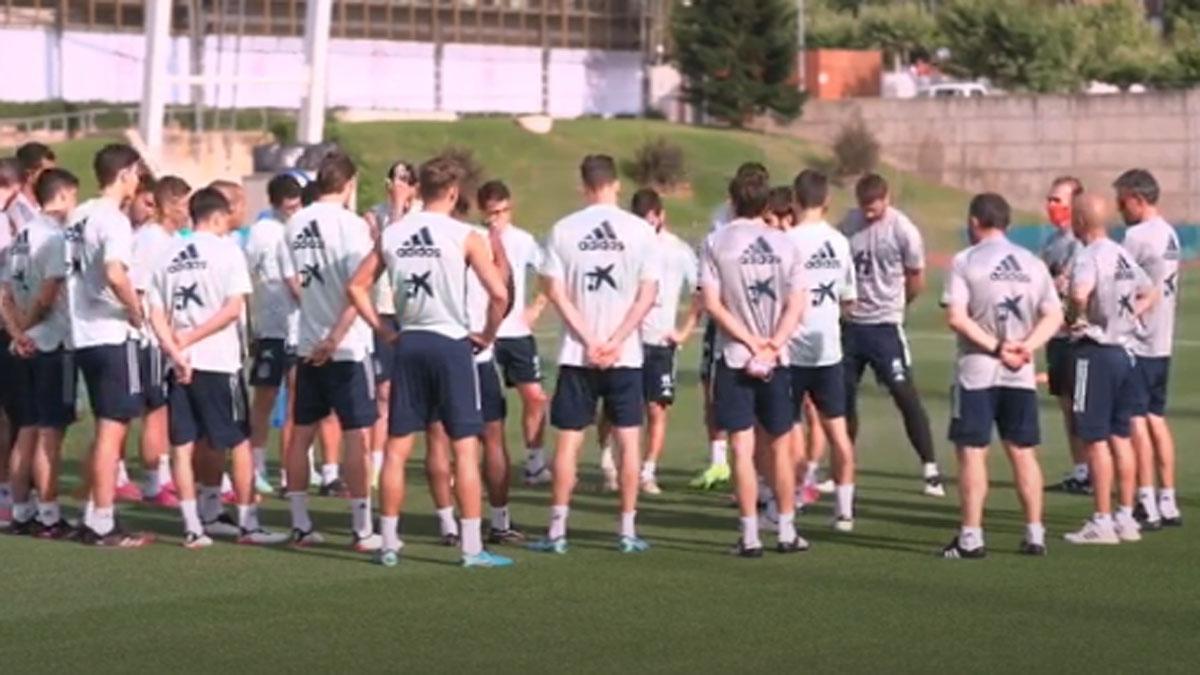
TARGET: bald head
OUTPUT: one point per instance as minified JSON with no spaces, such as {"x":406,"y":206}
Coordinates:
{"x":1090,"y":216}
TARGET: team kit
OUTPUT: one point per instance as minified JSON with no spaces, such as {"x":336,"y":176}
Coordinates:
{"x":413,"y":318}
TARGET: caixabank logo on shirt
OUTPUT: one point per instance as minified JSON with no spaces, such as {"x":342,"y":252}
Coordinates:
{"x":603,"y":238}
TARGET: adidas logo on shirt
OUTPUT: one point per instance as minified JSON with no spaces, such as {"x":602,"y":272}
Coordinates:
{"x":309,"y":237}
{"x":603,"y":238}
{"x":824,"y":259}
{"x":420,"y":245}
{"x":760,"y":253}
{"x":1172,"y":252}
{"x":1009,"y":270}
{"x":1124,"y":270}
{"x":187,"y":259}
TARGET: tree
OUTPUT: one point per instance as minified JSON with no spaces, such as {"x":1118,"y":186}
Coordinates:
{"x":739,"y":57}
{"x":898,"y":28}
{"x":1120,"y":46}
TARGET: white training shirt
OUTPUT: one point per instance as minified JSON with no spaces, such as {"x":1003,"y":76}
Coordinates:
{"x":679,"y":270}
{"x":327,"y":243}
{"x":6,"y":236}
{"x":21,"y":211}
{"x":602,"y":255}
{"x":426,"y":262}
{"x":201,"y":275}
{"x":829,"y":272}
{"x":477,"y":303}
{"x":98,"y":233}
{"x":151,"y":246}
{"x":275,"y":314}
{"x":37,"y":255}
{"x":524,"y":256}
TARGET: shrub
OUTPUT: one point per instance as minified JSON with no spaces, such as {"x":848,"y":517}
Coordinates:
{"x":659,"y":164}
{"x":855,"y":150}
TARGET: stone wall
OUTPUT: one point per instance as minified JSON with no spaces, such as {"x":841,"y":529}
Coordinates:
{"x":1016,"y":144}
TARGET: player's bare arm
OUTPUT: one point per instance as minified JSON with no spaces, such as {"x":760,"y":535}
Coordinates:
{"x":359,"y":293}
{"x":914,"y":284}
{"x":479,"y":259}
{"x":117,"y":276}
{"x":229,"y":313}
{"x":557,"y":295}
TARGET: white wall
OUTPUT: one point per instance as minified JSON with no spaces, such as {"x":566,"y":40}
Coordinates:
{"x":41,"y":64}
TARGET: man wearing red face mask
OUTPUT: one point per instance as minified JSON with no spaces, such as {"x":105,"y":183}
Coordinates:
{"x":1057,"y":252}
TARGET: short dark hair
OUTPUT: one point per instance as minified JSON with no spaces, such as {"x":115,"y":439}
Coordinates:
{"x":779,"y":201}
{"x":206,"y":202}
{"x":491,"y":192}
{"x":52,"y":182}
{"x":282,"y":188}
{"x":10,"y":172}
{"x":1075,"y":183}
{"x":309,"y":193}
{"x":170,"y":187}
{"x":462,"y":207}
{"x":404,"y":171}
{"x":335,"y":173}
{"x":32,"y":155}
{"x":597,"y":171}
{"x":146,"y":183}
{"x":1139,"y":182}
{"x":645,"y":202}
{"x":811,"y":189}
{"x":870,"y":187}
{"x":112,"y":160}
{"x":991,"y":211}
{"x":748,"y":194}
{"x":437,"y":176}
{"x":750,"y":170}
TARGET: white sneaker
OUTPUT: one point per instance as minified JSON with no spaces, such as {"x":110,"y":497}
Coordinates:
{"x":261,"y":537}
{"x":767,"y":524}
{"x":843,"y":524}
{"x":933,"y":487}
{"x":368,"y":544}
{"x":223,"y":526}
{"x":827,"y":487}
{"x":193,"y":541}
{"x":650,"y":486}
{"x":538,"y":475}
{"x":1127,"y":528}
{"x":1093,"y":532}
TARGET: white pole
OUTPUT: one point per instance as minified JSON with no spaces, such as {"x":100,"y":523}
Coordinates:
{"x":317,"y":24}
{"x":154,"y":92}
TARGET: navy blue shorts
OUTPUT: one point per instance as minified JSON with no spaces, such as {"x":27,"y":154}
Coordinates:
{"x":54,"y":388}
{"x":492,"y":405}
{"x":113,"y":379}
{"x":270,"y":361}
{"x":708,"y":351}
{"x":741,"y":401}
{"x":518,"y":360}
{"x":881,"y":346}
{"x":1013,"y":412}
{"x":1106,"y":391}
{"x":1060,"y":366}
{"x":6,"y":359}
{"x":435,"y":379}
{"x":579,"y":390}
{"x":385,"y":352}
{"x":18,"y":404}
{"x":826,"y":385}
{"x":152,"y":362}
{"x":211,"y":407}
{"x":658,"y":374}
{"x":345,"y":388}
{"x":1152,"y":375}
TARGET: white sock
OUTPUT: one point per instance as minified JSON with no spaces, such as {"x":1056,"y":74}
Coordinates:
{"x":500,"y":518}
{"x":102,"y":520}
{"x":765,"y":493}
{"x":49,"y":513}
{"x":312,"y":462}
{"x":845,"y":500}
{"x":191,"y":517}
{"x":122,"y":474}
{"x":260,"y":461}
{"x":718,"y":452}
{"x":1035,"y":533}
{"x":329,"y":473}
{"x":472,"y":536}
{"x":1149,"y":502}
{"x":1166,"y":503}
{"x":558,"y":522}
{"x":810,"y":474}
{"x":151,"y":485}
{"x":649,"y":469}
{"x":226,"y":484}
{"x":389,"y":528}
{"x":1103,"y":519}
{"x":535,"y":460}
{"x":210,"y":503}
{"x":607,"y":461}
{"x":23,"y":512}
{"x":5,"y":495}
{"x":1125,"y":512}
{"x":1080,"y":472}
{"x":750,"y":532}
{"x":360,"y":517}
{"x":89,"y":508}
{"x":446,"y":521}
{"x":283,"y":478}
{"x":376,"y":462}
{"x":628,"y":524}
{"x":298,"y":505}
{"x":970,"y":538}
{"x":931,"y":470}
{"x":247,"y":515}
{"x":787,"y":526}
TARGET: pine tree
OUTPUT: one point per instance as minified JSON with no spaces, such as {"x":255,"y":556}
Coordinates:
{"x":739,"y":57}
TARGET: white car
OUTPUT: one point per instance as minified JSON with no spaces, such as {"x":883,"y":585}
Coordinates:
{"x":955,"y":90}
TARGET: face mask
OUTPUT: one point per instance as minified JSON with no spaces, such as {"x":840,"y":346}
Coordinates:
{"x":1059,"y":214}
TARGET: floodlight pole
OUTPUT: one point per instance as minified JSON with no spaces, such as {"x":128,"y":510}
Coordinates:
{"x":154,"y":93}
{"x":317,"y":24}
